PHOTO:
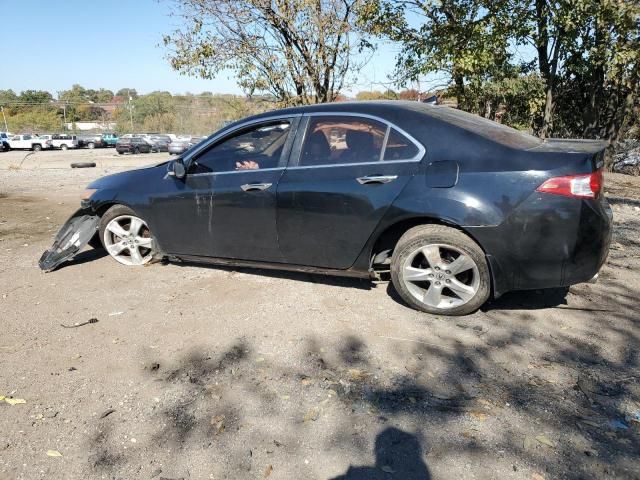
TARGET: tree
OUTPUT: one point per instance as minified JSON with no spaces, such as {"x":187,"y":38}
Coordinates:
{"x":126,"y":93}
{"x":465,"y":39}
{"x":300,"y":51}
{"x":586,"y":57}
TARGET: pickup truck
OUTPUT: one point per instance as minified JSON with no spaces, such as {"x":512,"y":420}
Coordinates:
{"x":61,"y":140}
{"x":90,"y":141}
{"x":29,"y":142}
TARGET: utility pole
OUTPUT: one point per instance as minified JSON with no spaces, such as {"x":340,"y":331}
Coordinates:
{"x":130,"y":110}
{"x":6,"y":129}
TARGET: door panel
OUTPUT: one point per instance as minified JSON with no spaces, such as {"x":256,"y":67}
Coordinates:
{"x":226,"y":205}
{"x":245,"y":218}
{"x":326,"y":213}
{"x":325,"y":216}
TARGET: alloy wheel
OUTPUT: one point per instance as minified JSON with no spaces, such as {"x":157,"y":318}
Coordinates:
{"x":441,"y":276}
{"x":128,"y":239}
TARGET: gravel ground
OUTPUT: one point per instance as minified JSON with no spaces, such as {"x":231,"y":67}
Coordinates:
{"x":197,"y":372}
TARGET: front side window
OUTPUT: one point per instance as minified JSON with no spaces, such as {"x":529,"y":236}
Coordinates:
{"x":256,"y":147}
{"x":342,"y":139}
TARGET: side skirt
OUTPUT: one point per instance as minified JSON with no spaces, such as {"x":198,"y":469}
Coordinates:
{"x":274,"y":266}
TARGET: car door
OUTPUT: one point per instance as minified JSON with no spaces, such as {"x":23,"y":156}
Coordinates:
{"x":346,"y":171}
{"x":227,"y":202}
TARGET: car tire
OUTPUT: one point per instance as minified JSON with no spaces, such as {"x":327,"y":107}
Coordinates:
{"x":136,"y":151}
{"x":91,"y":145}
{"x":420,"y":275}
{"x":83,"y":165}
{"x":119,"y":219}
{"x":63,"y":147}
{"x":36,"y":148}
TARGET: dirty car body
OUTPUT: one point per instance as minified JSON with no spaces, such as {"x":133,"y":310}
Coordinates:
{"x":534,"y":208}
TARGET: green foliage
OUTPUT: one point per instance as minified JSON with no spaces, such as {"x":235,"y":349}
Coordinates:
{"x":586,"y":52}
{"x":376,"y":95}
{"x":36,"y":121}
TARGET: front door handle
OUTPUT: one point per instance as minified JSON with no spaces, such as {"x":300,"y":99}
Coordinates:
{"x":255,"y":187}
{"x":376,"y":179}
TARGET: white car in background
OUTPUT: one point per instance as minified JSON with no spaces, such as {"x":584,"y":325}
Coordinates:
{"x":29,"y":142}
{"x":61,"y":140}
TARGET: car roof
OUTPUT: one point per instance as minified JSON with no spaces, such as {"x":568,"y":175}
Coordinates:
{"x":467,"y":121}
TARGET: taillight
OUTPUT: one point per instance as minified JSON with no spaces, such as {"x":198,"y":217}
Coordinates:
{"x":577,"y":186}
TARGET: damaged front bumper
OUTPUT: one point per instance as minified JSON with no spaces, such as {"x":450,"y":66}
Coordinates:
{"x":72,"y":237}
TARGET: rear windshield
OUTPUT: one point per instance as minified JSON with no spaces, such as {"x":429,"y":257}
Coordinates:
{"x":481,"y":126}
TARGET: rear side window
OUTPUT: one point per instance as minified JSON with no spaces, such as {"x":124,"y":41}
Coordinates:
{"x":342,"y":139}
{"x":399,"y":147}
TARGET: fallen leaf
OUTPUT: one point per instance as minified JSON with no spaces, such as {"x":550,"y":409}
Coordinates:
{"x":306,"y":381}
{"x":218,"y":423}
{"x":14,"y":401}
{"x":268,"y":471}
{"x":545,"y":441}
{"x":312,"y":414}
{"x":388,"y":469}
{"x":356,"y":374}
{"x":412,"y":400}
{"x":53,"y":453}
{"x":480,"y":416}
{"x":536,"y":476}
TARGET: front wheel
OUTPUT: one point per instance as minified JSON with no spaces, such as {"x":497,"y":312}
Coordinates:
{"x":126,"y":236}
{"x":63,"y":147}
{"x":440,"y":270}
{"x":36,"y":147}
{"x":91,"y":145}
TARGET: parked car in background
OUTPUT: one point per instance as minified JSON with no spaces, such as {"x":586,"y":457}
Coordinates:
{"x":181,"y":145}
{"x":29,"y":142}
{"x":90,"y":141}
{"x":132,"y":145}
{"x":453,"y":207}
{"x":160,"y":143}
{"x":4,"y":140}
{"x":61,"y":140}
{"x":109,"y":139}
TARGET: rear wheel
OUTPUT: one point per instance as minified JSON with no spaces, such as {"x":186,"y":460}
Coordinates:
{"x":440,"y":270}
{"x":63,"y":147}
{"x":37,"y":147}
{"x":91,"y":145}
{"x":126,"y":236}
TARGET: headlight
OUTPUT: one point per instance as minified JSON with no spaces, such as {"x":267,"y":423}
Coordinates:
{"x":86,"y":195}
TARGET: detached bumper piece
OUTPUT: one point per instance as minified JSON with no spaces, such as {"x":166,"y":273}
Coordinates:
{"x":71,"y":238}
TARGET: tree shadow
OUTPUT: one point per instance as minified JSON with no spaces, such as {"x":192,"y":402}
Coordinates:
{"x":398,"y":455}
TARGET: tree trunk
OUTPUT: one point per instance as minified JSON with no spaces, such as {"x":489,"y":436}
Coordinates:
{"x":460,"y":93}
{"x":547,"y":120}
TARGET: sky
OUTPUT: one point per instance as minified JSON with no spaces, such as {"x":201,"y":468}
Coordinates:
{"x":51,"y":45}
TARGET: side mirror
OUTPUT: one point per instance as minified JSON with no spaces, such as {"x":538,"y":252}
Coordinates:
{"x":177,"y":169}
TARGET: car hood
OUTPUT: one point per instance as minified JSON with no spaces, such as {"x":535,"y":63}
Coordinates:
{"x":117,"y":180}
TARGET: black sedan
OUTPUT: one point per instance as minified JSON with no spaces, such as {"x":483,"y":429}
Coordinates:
{"x":133,"y":145}
{"x":455,"y":208}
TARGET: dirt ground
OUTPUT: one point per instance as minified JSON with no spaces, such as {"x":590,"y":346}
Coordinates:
{"x":196,"y":372}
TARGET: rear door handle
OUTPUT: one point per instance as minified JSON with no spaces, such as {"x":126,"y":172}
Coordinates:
{"x":376,"y":179}
{"x":255,"y":187}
